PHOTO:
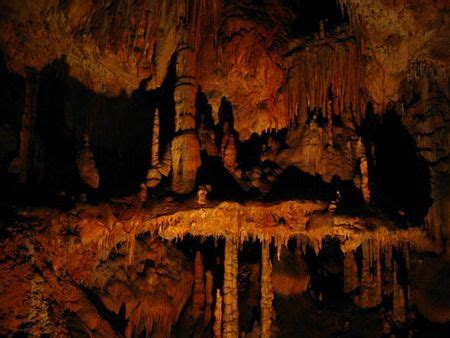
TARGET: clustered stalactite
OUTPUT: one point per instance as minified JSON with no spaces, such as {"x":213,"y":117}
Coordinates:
{"x":327,"y":79}
{"x":382,"y":275}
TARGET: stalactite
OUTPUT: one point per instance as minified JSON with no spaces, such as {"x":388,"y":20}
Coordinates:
{"x":351,"y":279}
{"x":398,"y":297}
{"x":198,"y":298}
{"x":266,"y":291}
{"x":371,"y":283}
{"x":21,"y":164}
{"x":319,"y":69}
{"x":230,"y":290}
{"x":388,"y":271}
{"x":217,"y":328}
{"x":208,"y":296}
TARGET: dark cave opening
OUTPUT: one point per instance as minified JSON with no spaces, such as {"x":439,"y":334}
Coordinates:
{"x":401,"y":178}
{"x":311,"y":13}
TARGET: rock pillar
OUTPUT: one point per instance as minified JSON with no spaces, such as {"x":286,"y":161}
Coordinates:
{"x":230,"y":290}
{"x":266,"y":291}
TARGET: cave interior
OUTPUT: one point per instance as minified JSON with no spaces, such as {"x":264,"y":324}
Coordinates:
{"x":224,"y":168}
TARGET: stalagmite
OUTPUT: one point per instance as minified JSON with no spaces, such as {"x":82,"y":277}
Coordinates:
{"x":218,"y":315}
{"x":364,"y":166}
{"x":230,"y":290}
{"x":208,"y":296}
{"x":153,"y":174}
{"x":21,"y":164}
{"x":199,"y":286}
{"x":155,"y":140}
{"x":351,"y":280}
{"x":266,"y":291}
{"x":228,"y":149}
{"x":86,"y":165}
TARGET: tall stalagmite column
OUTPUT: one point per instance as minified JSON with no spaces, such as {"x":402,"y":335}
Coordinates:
{"x":266,"y":291}
{"x":185,"y":149}
{"x":21,"y":164}
{"x":230,"y":290}
{"x":153,"y":175}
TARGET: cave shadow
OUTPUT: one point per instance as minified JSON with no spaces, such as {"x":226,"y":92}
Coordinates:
{"x":212,"y":170}
{"x":119,"y":128}
{"x":400,"y":177}
{"x":294,"y":183}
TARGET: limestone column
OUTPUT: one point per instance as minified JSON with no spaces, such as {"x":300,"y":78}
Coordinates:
{"x":185,"y":148}
{"x":217,"y":328}
{"x":266,"y":291}
{"x":230,"y":290}
{"x":208,"y":296}
{"x":199,"y":286}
